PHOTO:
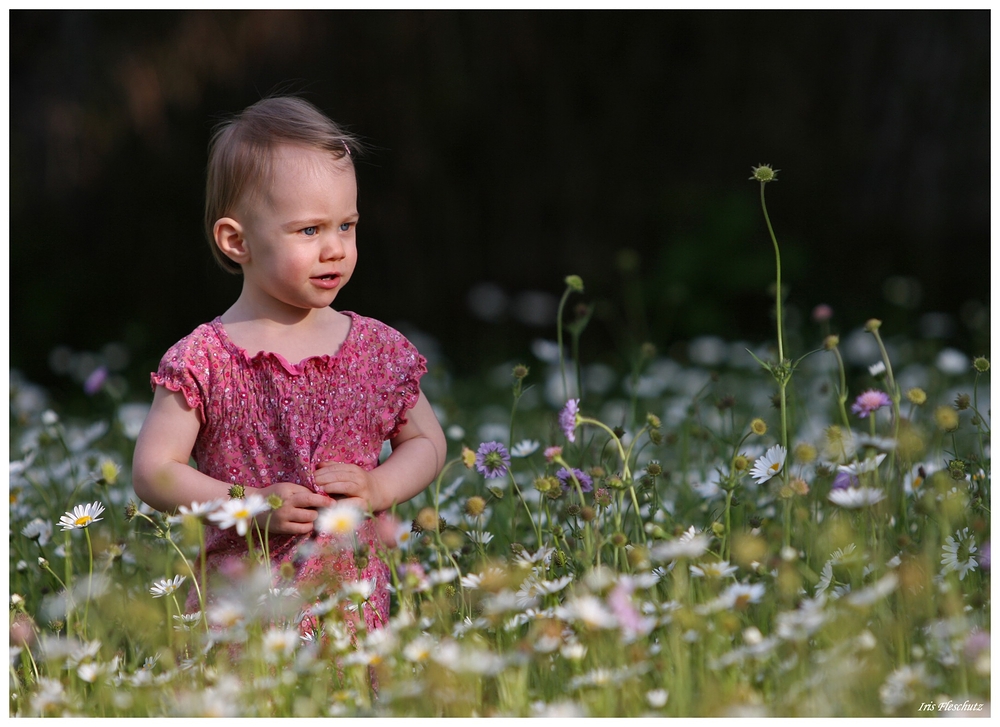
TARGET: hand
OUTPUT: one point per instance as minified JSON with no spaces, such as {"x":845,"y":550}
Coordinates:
{"x":349,"y":484}
{"x":298,"y":509}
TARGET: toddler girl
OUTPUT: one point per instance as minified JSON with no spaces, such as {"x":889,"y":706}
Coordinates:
{"x":283,"y":393}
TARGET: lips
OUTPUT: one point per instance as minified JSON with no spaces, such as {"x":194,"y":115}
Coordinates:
{"x":329,"y":281}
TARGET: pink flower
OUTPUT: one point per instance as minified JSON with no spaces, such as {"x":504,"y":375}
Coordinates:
{"x":552,"y":452}
{"x":870,"y":401}
{"x":822,"y":313}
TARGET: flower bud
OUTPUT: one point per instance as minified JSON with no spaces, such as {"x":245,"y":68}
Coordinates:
{"x":654,"y":468}
{"x":759,"y":427}
{"x":916,"y":395}
{"x":619,"y":540}
{"x":520,"y":371}
{"x":587,"y":513}
{"x":740,"y":463}
{"x":764,"y":174}
{"x":237,"y":492}
{"x":274,"y":501}
{"x":574,"y":282}
{"x":653,"y":421}
{"x":830,"y":342}
{"x":872,"y":325}
{"x":981,"y":364}
{"x":962,"y":402}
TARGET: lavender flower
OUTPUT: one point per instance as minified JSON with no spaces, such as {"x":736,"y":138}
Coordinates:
{"x":870,"y":401}
{"x":492,"y":460}
{"x":567,"y":418}
{"x":843,"y":480}
{"x":566,"y":478}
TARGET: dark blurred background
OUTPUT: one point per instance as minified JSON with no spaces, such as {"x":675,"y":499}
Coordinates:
{"x":512,"y":149}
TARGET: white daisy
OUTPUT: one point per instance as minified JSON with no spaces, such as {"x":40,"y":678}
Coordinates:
{"x":720,"y":569}
{"x":339,"y":520}
{"x":687,"y":546}
{"x":166,"y":586}
{"x":239,"y":512}
{"x":81,"y":516}
{"x":279,"y":644}
{"x":483,"y":538}
{"x":200,"y":509}
{"x":38,"y":529}
{"x":859,"y":468}
{"x":524,"y":448}
{"x":769,"y":465}
{"x":853,"y":498}
{"x":957,"y":553}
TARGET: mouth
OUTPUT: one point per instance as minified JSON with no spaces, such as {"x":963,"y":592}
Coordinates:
{"x":330,"y":280}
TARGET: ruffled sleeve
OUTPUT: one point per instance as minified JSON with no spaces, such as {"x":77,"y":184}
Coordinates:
{"x":184,"y":368}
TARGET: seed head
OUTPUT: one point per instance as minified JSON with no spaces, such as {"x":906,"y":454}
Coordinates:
{"x":520,"y":371}
{"x":237,"y":492}
{"x":131,"y":509}
{"x":654,"y":468}
{"x":764,"y":174}
{"x":981,"y":364}
{"x":805,"y":452}
{"x":468,"y":458}
{"x":587,"y":513}
{"x":274,"y":501}
{"x":475,"y":506}
{"x":759,"y":427}
{"x":917,"y":396}
{"x":740,"y":463}
{"x":946,"y":418}
{"x":962,"y":402}
{"x":872,"y":325}
{"x":619,"y":540}
{"x":427,"y":519}
{"x":830,"y":342}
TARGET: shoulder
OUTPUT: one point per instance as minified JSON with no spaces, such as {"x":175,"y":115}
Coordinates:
{"x":201,"y":343}
{"x":372,"y":332}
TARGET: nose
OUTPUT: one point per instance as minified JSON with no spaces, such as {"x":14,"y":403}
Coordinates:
{"x":333,"y":247}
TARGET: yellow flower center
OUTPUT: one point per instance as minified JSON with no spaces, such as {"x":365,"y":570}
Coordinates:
{"x":82,"y":521}
{"x":775,"y":467}
{"x":242,"y":514}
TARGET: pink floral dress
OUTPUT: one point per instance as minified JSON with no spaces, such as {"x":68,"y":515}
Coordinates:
{"x":265,"y":420}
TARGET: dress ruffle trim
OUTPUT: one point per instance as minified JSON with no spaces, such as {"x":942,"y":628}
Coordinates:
{"x":191,"y":397}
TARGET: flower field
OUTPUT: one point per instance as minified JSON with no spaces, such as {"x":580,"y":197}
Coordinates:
{"x":738,"y":533}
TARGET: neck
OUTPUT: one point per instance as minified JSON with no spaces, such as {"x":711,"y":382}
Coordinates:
{"x":270,"y":313}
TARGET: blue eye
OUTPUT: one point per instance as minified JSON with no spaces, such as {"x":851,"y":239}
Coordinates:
{"x":345,"y":227}
{"x":310,"y":231}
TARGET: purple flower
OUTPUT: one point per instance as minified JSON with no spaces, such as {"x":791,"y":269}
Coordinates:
{"x":492,"y":460}
{"x":95,"y":381}
{"x":843,"y":480}
{"x":984,"y":556}
{"x":566,"y":478}
{"x":870,"y":401}
{"x":567,"y":418}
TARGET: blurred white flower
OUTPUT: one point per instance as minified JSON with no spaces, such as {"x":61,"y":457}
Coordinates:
{"x":279,"y":644}
{"x":239,"y":512}
{"x":952,"y":361}
{"x":859,"y":468}
{"x":719,"y":569}
{"x":524,"y":448}
{"x":338,"y":520}
{"x":854,"y":498}
{"x":38,"y":529}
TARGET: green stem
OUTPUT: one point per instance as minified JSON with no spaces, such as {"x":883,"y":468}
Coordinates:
{"x":559,"y":340}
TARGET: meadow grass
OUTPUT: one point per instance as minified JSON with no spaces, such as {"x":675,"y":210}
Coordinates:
{"x":681,"y":539}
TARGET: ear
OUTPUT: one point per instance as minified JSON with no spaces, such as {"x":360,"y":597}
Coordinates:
{"x":229,"y":239}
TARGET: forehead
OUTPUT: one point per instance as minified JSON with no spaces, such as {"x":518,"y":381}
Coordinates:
{"x":296,"y":170}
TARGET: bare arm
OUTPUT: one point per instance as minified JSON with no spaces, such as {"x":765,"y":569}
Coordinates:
{"x":163,"y":479}
{"x":418,"y":454}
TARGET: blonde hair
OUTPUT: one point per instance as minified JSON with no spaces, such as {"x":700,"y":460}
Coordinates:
{"x":240,"y":152}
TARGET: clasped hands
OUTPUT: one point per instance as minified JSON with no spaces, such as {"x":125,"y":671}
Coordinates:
{"x":342,"y":483}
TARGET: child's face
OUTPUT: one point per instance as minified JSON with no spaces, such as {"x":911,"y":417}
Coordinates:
{"x":301,"y":239}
